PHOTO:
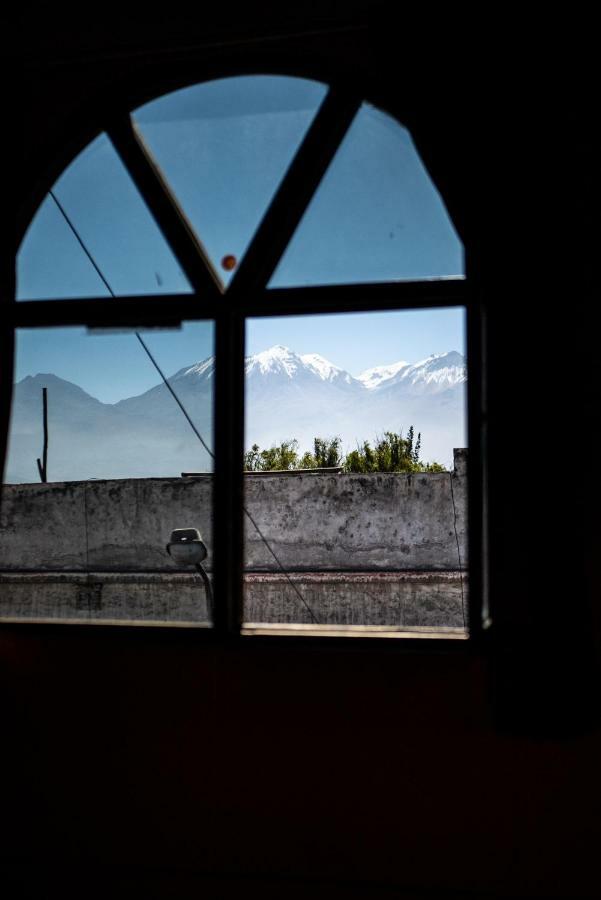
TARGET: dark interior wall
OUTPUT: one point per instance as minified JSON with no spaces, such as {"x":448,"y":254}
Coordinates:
{"x":160,"y":763}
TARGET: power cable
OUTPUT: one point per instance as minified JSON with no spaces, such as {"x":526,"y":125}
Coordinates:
{"x":138,"y":335}
{"x":177,"y":400}
{"x":283,"y":570}
{"x":458,"y":549}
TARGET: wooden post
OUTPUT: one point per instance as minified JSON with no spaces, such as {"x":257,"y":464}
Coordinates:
{"x":42,"y":466}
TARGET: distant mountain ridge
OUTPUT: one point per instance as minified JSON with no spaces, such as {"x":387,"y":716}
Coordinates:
{"x":288,"y":395}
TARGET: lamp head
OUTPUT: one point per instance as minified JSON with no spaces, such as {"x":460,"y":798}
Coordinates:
{"x":186,"y":547}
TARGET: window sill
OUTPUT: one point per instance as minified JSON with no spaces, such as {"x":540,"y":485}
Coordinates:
{"x":252,"y":629}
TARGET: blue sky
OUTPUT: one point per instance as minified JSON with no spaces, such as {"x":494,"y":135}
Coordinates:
{"x":224,"y":147}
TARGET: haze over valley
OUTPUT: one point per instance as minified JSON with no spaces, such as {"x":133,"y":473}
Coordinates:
{"x":287,"y":396}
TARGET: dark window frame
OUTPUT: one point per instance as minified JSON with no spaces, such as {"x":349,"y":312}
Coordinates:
{"x":248,"y":296}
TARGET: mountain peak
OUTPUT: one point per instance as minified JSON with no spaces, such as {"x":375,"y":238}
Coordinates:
{"x":278,"y":351}
{"x":440,"y":360}
{"x":371,"y":378}
{"x":326,"y":370}
{"x":435,"y":373}
{"x":273,"y":360}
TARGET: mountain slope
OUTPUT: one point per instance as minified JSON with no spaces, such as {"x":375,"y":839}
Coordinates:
{"x":287,"y":396}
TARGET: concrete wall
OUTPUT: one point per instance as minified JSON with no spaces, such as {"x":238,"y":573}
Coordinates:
{"x":394,"y":599}
{"x":313,"y":522}
{"x":384,"y":550}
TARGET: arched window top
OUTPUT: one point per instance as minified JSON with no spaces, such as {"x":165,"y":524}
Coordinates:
{"x":223,"y":148}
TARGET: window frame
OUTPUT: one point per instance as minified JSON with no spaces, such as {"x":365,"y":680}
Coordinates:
{"x":248,"y":296}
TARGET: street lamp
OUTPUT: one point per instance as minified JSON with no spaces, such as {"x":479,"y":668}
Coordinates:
{"x":187,"y":548}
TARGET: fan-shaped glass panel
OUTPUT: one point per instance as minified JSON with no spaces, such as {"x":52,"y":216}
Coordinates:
{"x":376,"y":216}
{"x":224,"y":147}
{"x":95,"y":207}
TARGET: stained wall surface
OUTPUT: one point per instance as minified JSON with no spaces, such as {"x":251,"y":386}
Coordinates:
{"x":314,"y":522}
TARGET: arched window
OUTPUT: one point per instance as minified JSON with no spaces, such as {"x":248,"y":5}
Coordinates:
{"x":295,"y":221}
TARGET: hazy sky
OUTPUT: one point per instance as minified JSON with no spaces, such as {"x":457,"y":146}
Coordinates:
{"x":224,"y":147}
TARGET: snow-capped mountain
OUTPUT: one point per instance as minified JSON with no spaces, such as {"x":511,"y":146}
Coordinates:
{"x":287,"y":396}
{"x":276,"y":361}
{"x":436,"y":373}
{"x":281,"y":360}
{"x":373,"y":378}
{"x":204,"y":369}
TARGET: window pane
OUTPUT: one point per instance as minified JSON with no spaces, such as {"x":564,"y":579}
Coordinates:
{"x":356,"y":470}
{"x":376,"y":216}
{"x":224,"y":147}
{"x":107,"y":212}
{"x":92,"y":538}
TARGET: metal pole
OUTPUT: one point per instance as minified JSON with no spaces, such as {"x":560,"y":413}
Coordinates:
{"x":208,"y":589}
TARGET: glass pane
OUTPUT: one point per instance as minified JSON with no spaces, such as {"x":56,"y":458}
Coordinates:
{"x":224,"y":147}
{"x":356,"y":470}
{"x":376,"y":216}
{"x":115,"y":226}
{"x":89,"y":543}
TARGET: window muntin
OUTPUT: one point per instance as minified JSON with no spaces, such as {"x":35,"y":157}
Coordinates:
{"x":224,"y":147}
{"x":108,"y":213}
{"x":281,"y":302}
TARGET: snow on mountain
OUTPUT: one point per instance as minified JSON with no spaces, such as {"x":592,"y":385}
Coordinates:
{"x":277,"y":360}
{"x":303,"y":397}
{"x":287,"y":396}
{"x":326,"y":370}
{"x":280,"y":360}
{"x":435,"y":373}
{"x":206,"y":369}
{"x":372,"y":378}
{"x":438,"y":371}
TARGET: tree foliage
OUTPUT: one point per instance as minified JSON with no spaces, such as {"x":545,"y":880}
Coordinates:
{"x":276,"y":458}
{"x":326,"y":454}
{"x":391,"y":453}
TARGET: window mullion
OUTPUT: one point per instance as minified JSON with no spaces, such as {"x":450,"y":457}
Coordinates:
{"x":228,"y":494}
{"x":7,"y":354}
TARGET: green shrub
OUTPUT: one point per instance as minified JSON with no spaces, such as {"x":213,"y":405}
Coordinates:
{"x":391,"y":453}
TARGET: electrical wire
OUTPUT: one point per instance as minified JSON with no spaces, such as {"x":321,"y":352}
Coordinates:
{"x":283,"y":570}
{"x":138,"y":335}
{"x":177,"y":400}
{"x":458,"y":549}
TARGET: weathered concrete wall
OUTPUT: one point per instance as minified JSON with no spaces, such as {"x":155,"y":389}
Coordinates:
{"x":103,"y":596}
{"x":397,"y":600}
{"x":340,"y":522}
{"x":313,"y":522}
{"x":363,"y":550}
{"x":116,"y":526}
